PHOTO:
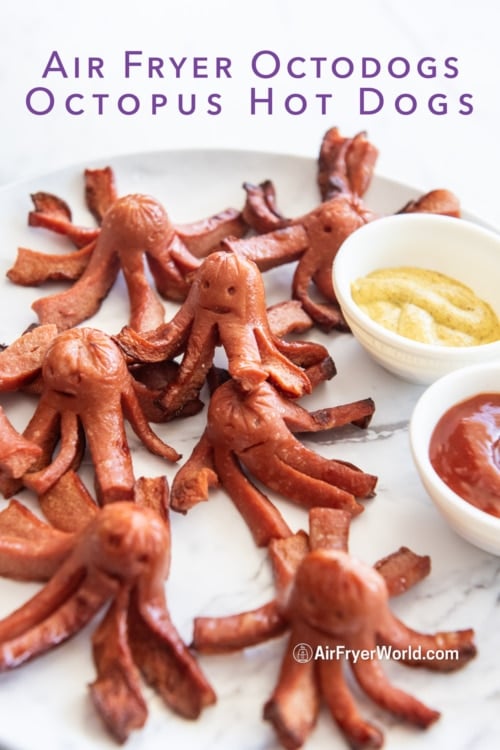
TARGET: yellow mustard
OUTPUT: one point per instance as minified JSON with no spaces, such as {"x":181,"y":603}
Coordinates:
{"x":426,"y":306}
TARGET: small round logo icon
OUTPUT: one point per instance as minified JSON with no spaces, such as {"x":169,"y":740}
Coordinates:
{"x":302,"y":653}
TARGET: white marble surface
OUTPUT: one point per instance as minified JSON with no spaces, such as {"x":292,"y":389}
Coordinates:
{"x":45,"y":703}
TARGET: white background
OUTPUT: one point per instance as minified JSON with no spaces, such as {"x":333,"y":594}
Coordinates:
{"x":455,"y":151}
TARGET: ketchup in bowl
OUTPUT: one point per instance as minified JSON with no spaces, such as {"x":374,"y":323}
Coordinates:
{"x":465,"y":450}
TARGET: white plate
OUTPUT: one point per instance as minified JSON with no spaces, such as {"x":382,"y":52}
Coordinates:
{"x":216,"y":568}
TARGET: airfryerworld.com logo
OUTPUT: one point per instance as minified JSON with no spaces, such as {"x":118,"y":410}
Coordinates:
{"x":304,"y":652}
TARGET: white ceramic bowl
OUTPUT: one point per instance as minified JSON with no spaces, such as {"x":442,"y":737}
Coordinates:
{"x":474,"y":525}
{"x":456,"y":247}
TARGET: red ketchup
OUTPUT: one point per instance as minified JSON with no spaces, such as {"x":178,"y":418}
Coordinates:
{"x":465,"y":450}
